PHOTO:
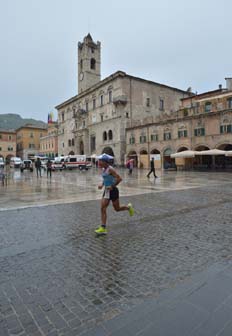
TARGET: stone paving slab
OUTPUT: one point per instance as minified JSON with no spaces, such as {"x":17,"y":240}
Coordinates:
{"x":57,"y":278}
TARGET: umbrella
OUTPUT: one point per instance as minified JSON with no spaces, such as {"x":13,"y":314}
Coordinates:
{"x":184,"y":154}
{"x":211,"y":152}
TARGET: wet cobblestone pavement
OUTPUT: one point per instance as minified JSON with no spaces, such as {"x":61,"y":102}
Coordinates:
{"x":57,"y":278}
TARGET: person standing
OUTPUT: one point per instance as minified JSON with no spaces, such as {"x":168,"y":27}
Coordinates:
{"x":152,"y":169}
{"x":111,"y":193}
{"x":49,"y":168}
{"x":131,"y":166}
{"x":38,"y":165}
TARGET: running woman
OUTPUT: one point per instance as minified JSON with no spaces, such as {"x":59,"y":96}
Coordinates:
{"x":110,"y":181}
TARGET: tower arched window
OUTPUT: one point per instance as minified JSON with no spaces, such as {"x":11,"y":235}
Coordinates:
{"x":92,"y":64}
{"x":81,"y":64}
{"x":110,"y":135}
{"x":104,"y":136}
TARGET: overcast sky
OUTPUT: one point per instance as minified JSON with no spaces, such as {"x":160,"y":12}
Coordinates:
{"x":174,"y":42}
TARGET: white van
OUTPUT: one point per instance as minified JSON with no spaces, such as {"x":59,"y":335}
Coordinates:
{"x":15,"y":162}
{"x":75,"y":161}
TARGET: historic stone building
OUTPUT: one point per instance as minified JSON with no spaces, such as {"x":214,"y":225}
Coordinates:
{"x":49,"y":143}
{"x":7,"y":144}
{"x":28,"y":141}
{"x":95,"y":120}
{"x":203,"y":122}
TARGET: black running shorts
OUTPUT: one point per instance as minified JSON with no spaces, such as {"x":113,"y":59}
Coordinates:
{"x":112,"y":195}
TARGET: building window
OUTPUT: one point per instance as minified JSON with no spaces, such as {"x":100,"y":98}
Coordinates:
{"x":225,"y":129}
{"x":62,"y":117}
{"x":0,"y":136}
{"x":63,"y":144}
{"x":92,"y":64}
{"x":154,"y":137}
{"x":199,"y":131}
{"x":81,"y":64}
{"x":229,"y":102}
{"x":132,"y":140}
{"x":167,"y":136}
{"x":182,"y":134}
{"x":148,"y":102}
{"x":101,"y":100}
{"x":143,"y":138}
{"x":104,"y":136}
{"x":73,"y":143}
{"x":69,"y":143}
{"x":92,"y":143}
{"x":94,"y":104}
{"x":83,"y":123}
{"x":9,"y":137}
{"x":110,"y":96}
{"x":110,"y":135}
{"x":127,"y":115}
{"x":101,"y":117}
{"x":161,"y":104}
{"x":0,"y":148}
{"x":87,"y":107}
{"x":31,"y":135}
{"x":208,"y":106}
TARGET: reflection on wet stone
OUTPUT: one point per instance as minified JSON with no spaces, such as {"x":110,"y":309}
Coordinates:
{"x":56,"y":276}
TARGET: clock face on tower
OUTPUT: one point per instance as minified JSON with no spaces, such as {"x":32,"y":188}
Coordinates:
{"x":81,"y":76}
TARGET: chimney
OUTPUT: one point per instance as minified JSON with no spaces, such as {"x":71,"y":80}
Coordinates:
{"x":229,"y":83}
{"x":220,"y":87}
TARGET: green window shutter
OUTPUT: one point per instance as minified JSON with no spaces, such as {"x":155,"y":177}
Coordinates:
{"x":170,"y":136}
{"x":202,"y":131}
{"x":178,"y":134}
{"x":195,"y":132}
{"x":221,"y":129}
{"x":140,"y":139}
{"x":228,"y":128}
{"x":185,"y":133}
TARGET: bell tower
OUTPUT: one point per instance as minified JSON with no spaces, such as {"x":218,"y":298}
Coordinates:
{"x":89,"y":63}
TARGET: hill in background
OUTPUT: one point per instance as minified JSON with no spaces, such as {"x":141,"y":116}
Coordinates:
{"x":14,"y":121}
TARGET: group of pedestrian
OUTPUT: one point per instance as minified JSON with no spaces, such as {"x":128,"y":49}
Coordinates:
{"x":38,"y":166}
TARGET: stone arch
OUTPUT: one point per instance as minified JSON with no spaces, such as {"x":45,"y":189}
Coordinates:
{"x":71,"y":153}
{"x":110,"y":135}
{"x":93,"y":64}
{"x":82,"y":151}
{"x":224,"y":146}
{"x":155,"y":151}
{"x":133,"y":155}
{"x":104,"y":136}
{"x":168,"y":162}
{"x":108,"y":150}
{"x":201,"y":147}
{"x":143,"y":152}
{"x":182,"y":148}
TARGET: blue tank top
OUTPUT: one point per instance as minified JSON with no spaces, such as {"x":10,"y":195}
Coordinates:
{"x":108,"y":179}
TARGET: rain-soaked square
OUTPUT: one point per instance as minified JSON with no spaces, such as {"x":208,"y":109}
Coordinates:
{"x":58,"y":278}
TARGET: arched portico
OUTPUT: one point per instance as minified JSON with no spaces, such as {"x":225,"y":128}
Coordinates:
{"x":144,"y":159}
{"x":133,"y":155}
{"x":155,"y":153}
{"x":108,"y":150}
{"x":168,"y":162}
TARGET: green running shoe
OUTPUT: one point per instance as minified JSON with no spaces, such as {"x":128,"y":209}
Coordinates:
{"x":101,"y":231}
{"x":131,"y":209}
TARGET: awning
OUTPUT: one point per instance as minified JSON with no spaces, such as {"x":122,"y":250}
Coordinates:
{"x":211,"y":152}
{"x":184,"y":154}
{"x":228,"y":153}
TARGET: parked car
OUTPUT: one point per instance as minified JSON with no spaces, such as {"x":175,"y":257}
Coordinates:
{"x":15,"y":162}
{"x":2,"y":164}
{"x":26,"y":165}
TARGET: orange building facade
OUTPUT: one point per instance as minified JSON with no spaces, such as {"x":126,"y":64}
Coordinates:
{"x":28,"y":141}
{"x":7,"y":144}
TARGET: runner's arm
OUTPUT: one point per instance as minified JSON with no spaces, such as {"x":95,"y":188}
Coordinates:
{"x":117,"y":177}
